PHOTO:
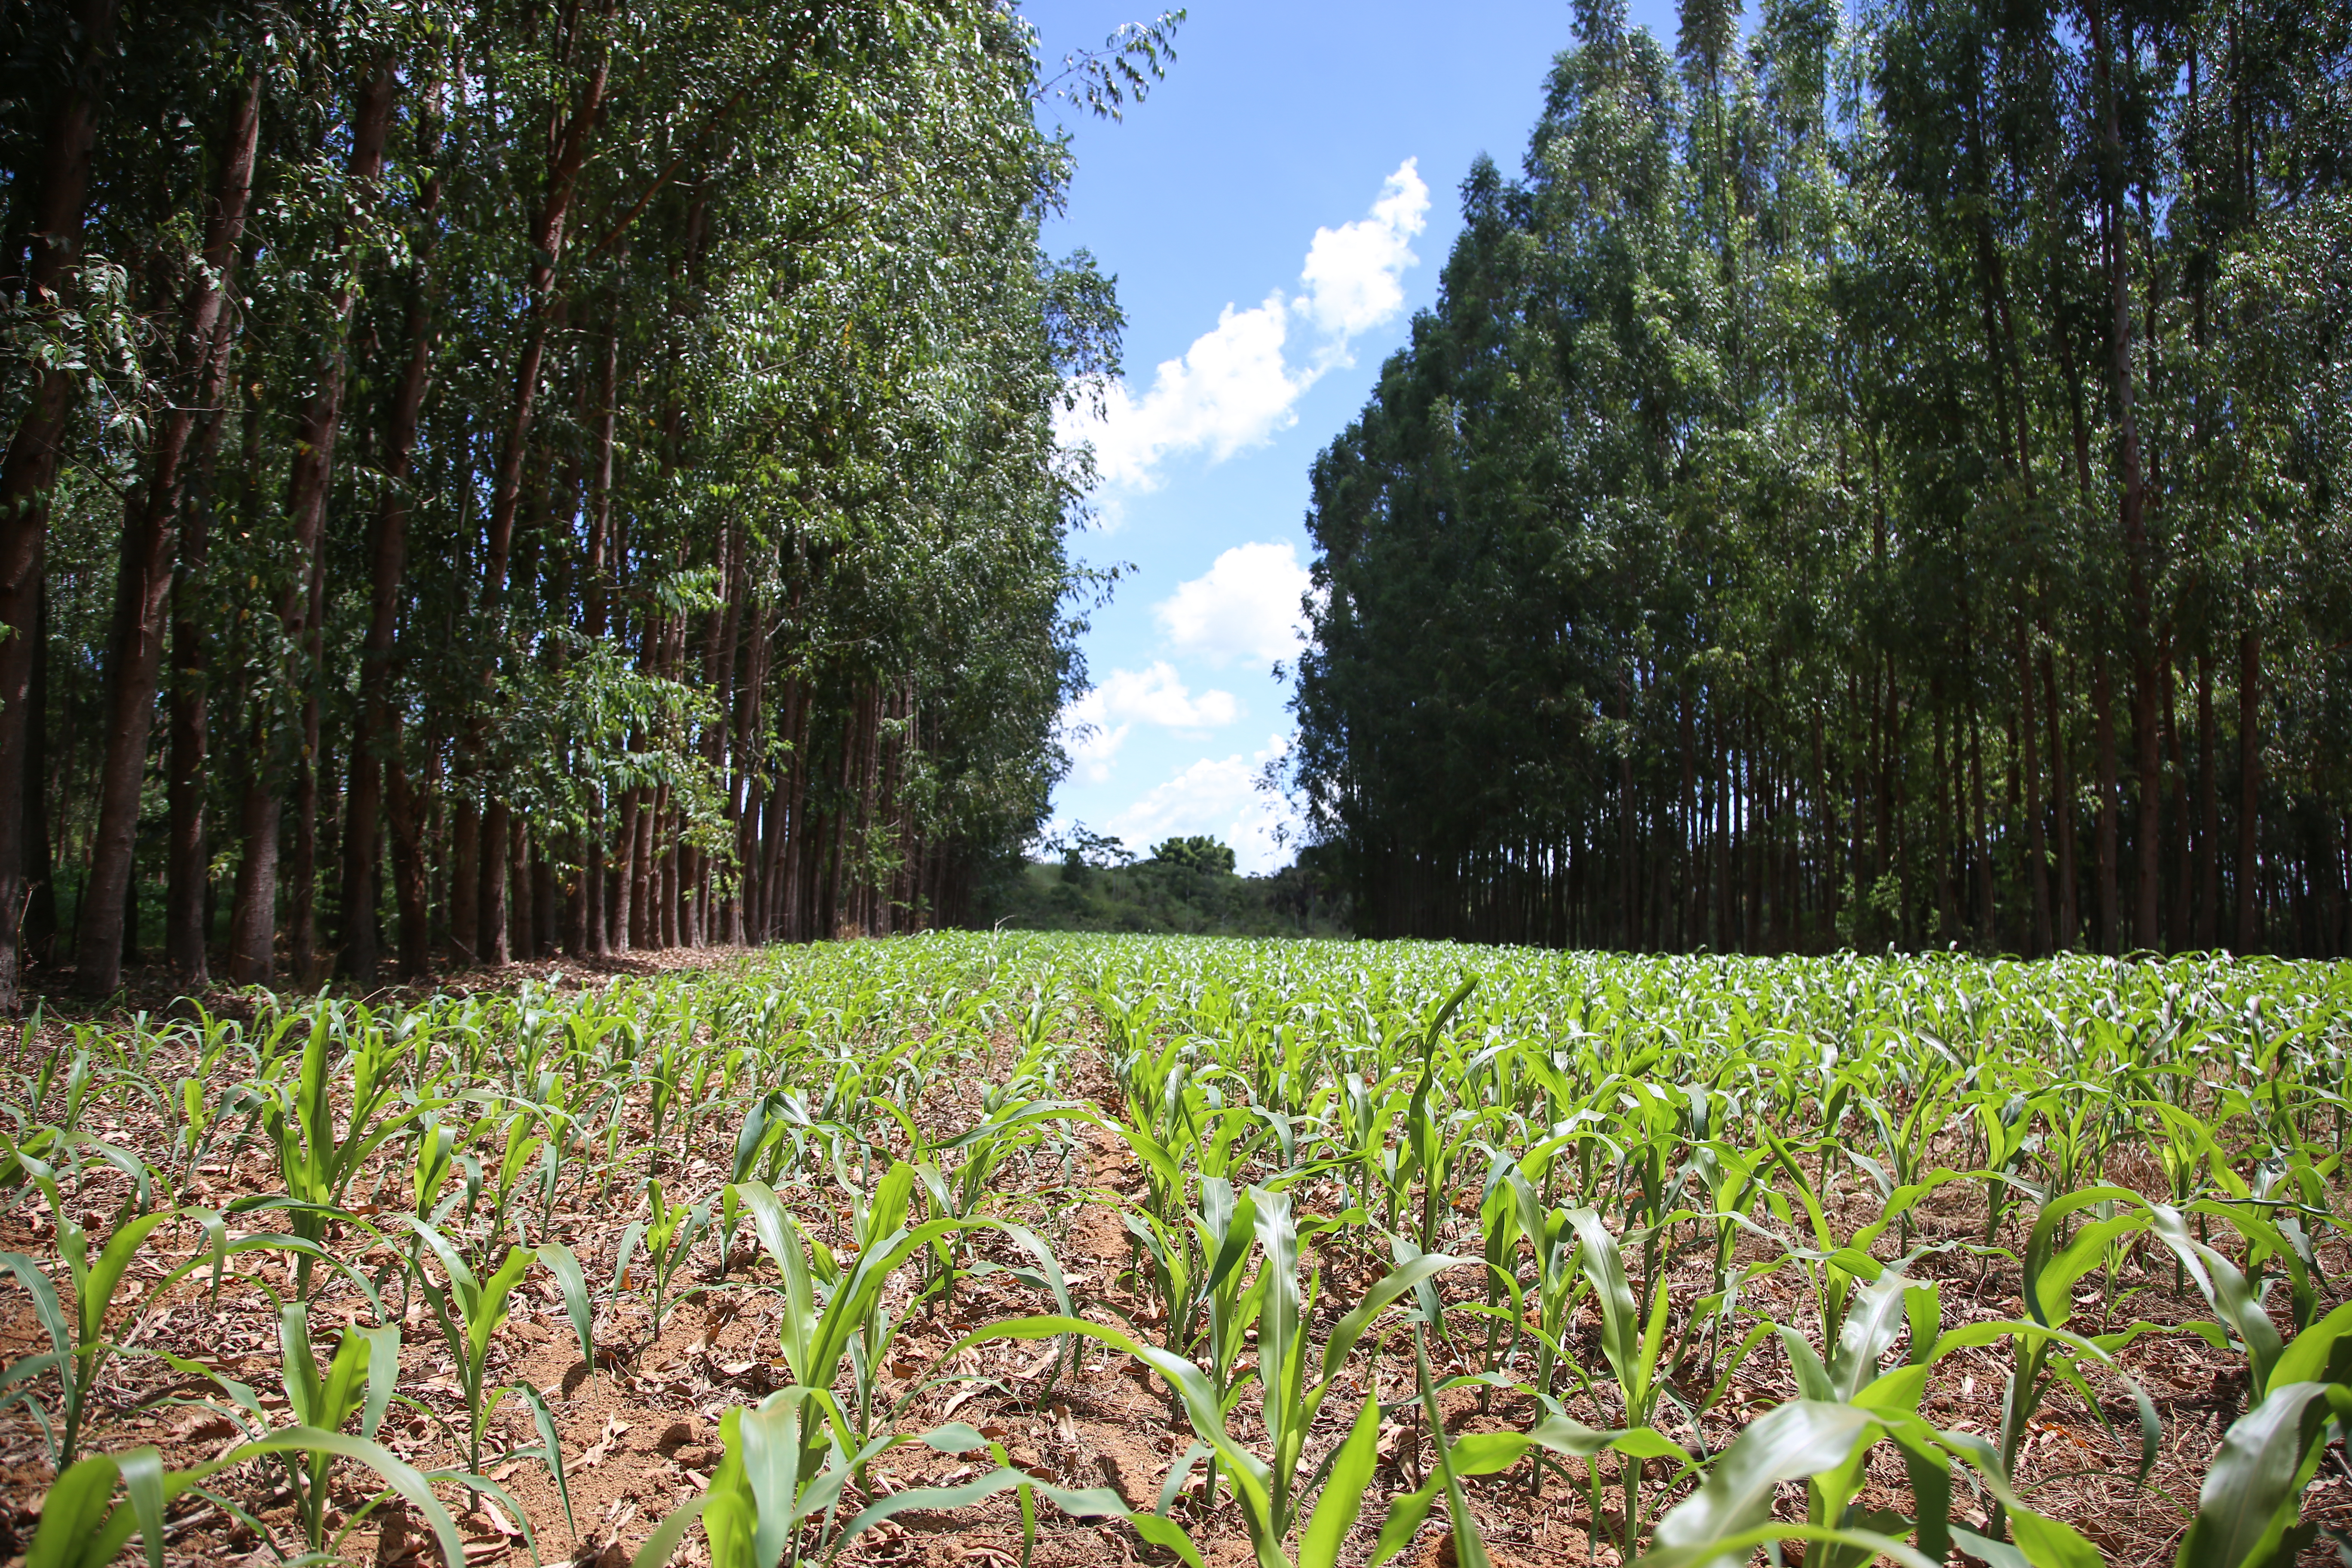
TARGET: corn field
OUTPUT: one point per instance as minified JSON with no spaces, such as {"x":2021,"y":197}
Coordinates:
{"x":1045,"y":1250}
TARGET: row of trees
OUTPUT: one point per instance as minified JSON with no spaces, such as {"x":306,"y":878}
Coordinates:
{"x":1876,"y":482}
{"x":488,"y":478}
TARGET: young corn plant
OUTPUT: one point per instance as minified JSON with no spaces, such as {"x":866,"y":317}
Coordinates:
{"x":83,"y":1526}
{"x":669,"y":1238}
{"x":1270,"y":1487}
{"x":359,"y":1381}
{"x":469,"y":1310}
{"x":835,"y":1313}
{"x":75,"y":1321}
{"x":763,"y":1500}
{"x":316,"y":1161}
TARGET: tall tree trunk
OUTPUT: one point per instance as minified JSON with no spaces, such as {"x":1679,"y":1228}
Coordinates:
{"x":2249,"y":790}
{"x":253,"y":915}
{"x":150,"y":538}
{"x":188,"y":890}
{"x":645,"y":880}
{"x":39,"y":932}
{"x":1986,"y":937}
{"x":625,"y":915}
{"x":387,"y":564}
{"x":408,"y":865}
{"x":302,"y":915}
{"x":2179,"y":851}
{"x":491,"y":903}
{"x":2133,"y":517}
{"x":567,"y":151}
{"x":464,"y":897}
{"x":29,"y":473}
{"x":596,"y":602}
{"x":2062,"y":785}
{"x":2209,"y":805}
{"x":2103,"y":727}
{"x":2037,"y":865}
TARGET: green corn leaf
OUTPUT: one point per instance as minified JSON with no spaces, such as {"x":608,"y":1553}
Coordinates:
{"x":767,"y":1452}
{"x":730,"y":1513}
{"x":662,"y":1545}
{"x":382,"y":1374}
{"x":1797,"y":1439}
{"x":143,"y":1483}
{"x":1621,"y":1322}
{"x":489,"y":1308}
{"x":1740,"y":1547}
{"x":1343,"y":1490}
{"x":2249,"y":1496}
{"x":544,"y":1419}
{"x":573,"y":1285}
{"x":47,"y":1310}
{"x":81,"y":1527}
{"x":97,"y":1290}
{"x":2052,"y":1543}
{"x":2321,"y":1353}
{"x":300,"y":1363}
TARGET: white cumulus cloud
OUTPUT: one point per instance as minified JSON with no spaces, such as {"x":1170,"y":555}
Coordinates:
{"x":1244,"y":606}
{"x":1237,"y":387}
{"x":1352,"y":272}
{"x":1230,"y":390}
{"x":1097,"y":724}
{"x":1219,"y":796}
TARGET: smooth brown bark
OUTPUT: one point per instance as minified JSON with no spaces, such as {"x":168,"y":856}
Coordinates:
{"x":149,"y":547}
{"x":39,"y":934}
{"x":2208,"y":805}
{"x":29,"y":473}
{"x":491,"y":910}
{"x":2132,"y":519}
{"x":2062,"y":784}
{"x":463,"y":900}
{"x":2102,"y":728}
{"x":622,"y":905}
{"x":408,"y":867}
{"x":253,"y":924}
{"x":2249,"y":791}
{"x":374,"y":747}
{"x":2037,"y":860}
{"x":303,"y":609}
{"x":187,"y":886}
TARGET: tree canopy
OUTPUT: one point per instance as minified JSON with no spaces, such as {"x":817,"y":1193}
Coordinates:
{"x":1197,"y":852}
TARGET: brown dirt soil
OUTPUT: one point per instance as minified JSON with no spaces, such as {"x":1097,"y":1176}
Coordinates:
{"x":639,"y":1428}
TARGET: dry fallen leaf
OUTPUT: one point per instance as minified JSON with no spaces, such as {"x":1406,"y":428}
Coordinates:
{"x":602,"y":1447}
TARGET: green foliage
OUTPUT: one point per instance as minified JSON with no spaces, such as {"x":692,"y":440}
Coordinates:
{"x":1198,"y":853}
{"x":568,"y":457}
{"x":1168,"y":896}
{"x":1873,"y":478}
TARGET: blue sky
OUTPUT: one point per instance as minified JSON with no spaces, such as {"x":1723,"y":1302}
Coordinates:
{"x":1275,"y":213}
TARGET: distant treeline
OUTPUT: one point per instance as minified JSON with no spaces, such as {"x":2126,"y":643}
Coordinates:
{"x":1873,"y":481}
{"x":488,"y":478}
{"x":1187,"y":885}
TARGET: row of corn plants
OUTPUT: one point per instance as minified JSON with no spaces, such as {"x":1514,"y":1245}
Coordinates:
{"x":1688,"y":1255}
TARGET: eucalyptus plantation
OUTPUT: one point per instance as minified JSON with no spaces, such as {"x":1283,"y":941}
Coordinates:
{"x":485,"y":480}
{"x":1873,"y":477}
